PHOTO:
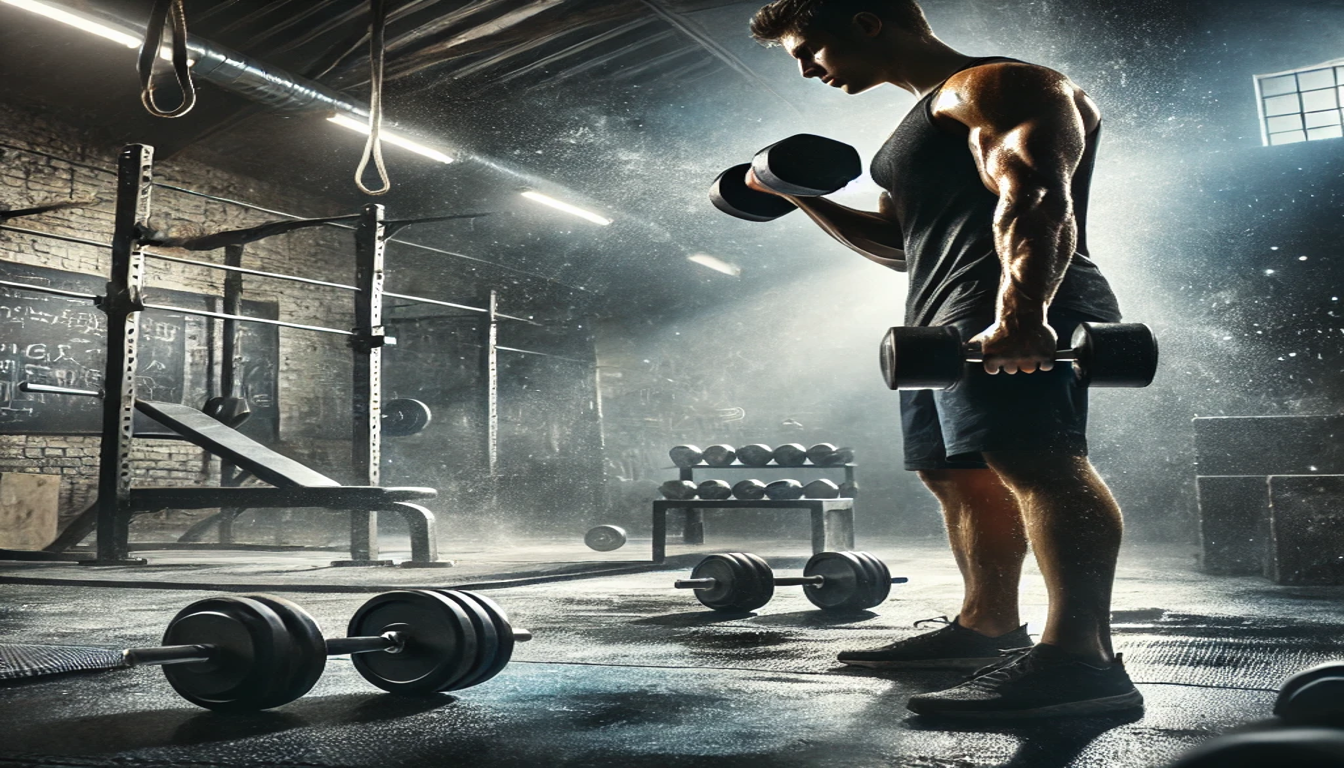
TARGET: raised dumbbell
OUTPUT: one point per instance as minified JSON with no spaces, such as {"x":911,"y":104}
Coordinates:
{"x":258,"y":652}
{"x":832,"y":581}
{"x":605,"y":538}
{"x":1104,"y":355}
{"x":800,"y":166}
{"x":1313,"y":696}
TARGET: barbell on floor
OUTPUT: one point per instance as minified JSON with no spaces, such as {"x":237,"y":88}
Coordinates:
{"x":257,"y":652}
{"x":833,"y":581}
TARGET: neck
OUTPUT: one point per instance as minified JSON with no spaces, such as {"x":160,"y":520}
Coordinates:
{"x":921,"y":70}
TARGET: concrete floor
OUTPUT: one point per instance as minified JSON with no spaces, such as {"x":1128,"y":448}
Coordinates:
{"x":626,"y":671}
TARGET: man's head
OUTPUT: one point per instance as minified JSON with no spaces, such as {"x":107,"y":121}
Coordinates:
{"x":849,"y":44}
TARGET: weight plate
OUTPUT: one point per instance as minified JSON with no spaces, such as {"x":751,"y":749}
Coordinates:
{"x":505,"y":641}
{"x":605,"y":538}
{"x":730,"y":194}
{"x":848,"y":583}
{"x":310,"y":657}
{"x":881,"y":584}
{"x":760,"y":576}
{"x":252,"y":654}
{"x":1290,"y":687}
{"x":736,"y":587}
{"x":440,"y":642}
{"x":1116,"y":354}
{"x":487,"y":640}
{"x":404,"y":417}
{"x":922,"y":357}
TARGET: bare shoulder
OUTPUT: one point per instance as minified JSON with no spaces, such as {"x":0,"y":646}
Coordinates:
{"x":1012,"y":92}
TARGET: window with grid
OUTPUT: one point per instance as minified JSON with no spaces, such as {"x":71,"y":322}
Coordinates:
{"x":1302,"y":105}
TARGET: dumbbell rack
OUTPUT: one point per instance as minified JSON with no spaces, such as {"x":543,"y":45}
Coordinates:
{"x":832,"y":519}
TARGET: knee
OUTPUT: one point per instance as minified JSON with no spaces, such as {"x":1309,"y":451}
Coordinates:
{"x":959,"y":488}
{"x":1028,"y":472}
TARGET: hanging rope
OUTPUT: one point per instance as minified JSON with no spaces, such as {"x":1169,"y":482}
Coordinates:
{"x":163,"y":13}
{"x":373,"y":148}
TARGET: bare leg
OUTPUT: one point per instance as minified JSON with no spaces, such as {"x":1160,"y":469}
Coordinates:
{"x":1075,"y":527}
{"x":984,"y":527}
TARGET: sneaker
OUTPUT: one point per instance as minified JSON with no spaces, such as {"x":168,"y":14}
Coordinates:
{"x":1043,"y":681}
{"x":952,"y":647}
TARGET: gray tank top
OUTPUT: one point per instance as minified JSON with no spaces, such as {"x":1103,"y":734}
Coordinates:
{"x":947,"y":217}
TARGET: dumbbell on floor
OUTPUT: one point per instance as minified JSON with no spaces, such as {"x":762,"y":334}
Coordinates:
{"x":1104,"y":354}
{"x":1313,"y":696}
{"x":832,"y":581}
{"x":258,"y":652}
{"x":800,"y":166}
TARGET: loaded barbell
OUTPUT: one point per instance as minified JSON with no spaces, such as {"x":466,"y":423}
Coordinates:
{"x":832,"y":581}
{"x":257,"y":652}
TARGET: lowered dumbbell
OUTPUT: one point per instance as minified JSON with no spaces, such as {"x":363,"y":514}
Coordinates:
{"x":258,"y":652}
{"x":1313,"y":696}
{"x":1103,"y":354}
{"x":800,"y":166}
{"x":832,"y":581}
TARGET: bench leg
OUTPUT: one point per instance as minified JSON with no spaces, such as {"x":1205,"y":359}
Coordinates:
{"x":819,"y":531}
{"x":659,"y":535}
{"x":694,"y":531}
{"x":363,"y":540}
{"x":424,"y":536}
{"x":840,"y":530}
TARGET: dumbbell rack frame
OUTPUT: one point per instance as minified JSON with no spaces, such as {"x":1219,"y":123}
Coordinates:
{"x":832,"y":519}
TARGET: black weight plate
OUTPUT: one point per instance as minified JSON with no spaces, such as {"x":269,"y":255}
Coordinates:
{"x":730,"y":194}
{"x":848,"y":582}
{"x":761,"y":578}
{"x":737,"y":589}
{"x":881,"y":584}
{"x":922,"y":357}
{"x":1116,"y":354}
{"x":404,"y":417}
{"x":252,"y":653}
{"x":1301,"y":680}
{"x":440,"y":642}
{"x":605,"y":538}
{"x":487,"y":640}
{"x":505,"y":641}
{"x":310,"y":656}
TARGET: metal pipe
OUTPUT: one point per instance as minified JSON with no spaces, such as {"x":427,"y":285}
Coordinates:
{"x":54,"y":291}
{"x":54,"y":236}
{"x":168,"y":654}
{"x":47,"y":389}
{"x":245,"y":271}
{"x":246,"y":319}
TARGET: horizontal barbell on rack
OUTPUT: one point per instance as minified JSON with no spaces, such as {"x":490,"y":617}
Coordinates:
{"x":832,"y":581}
{"x":258,"y":652}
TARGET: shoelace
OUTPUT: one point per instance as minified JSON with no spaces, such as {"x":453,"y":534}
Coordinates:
{"x":1009,"y":659}
{"x":943,"y":620}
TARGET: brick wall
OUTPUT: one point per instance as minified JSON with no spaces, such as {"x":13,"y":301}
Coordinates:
{"x":314,"y":370}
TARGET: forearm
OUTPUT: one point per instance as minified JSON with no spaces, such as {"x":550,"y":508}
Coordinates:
{"x":1035,"y":235}
{"x":872,"y":236}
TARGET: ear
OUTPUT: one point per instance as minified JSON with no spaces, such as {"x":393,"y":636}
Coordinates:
{"x":868,"y":24}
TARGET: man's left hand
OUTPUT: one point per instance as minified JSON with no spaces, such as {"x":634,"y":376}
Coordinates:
{"x":1025,"y":347}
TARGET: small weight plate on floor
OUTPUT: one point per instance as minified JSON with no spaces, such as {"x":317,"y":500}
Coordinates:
{"x":252,"y":652}
{"x":487,"y":639}
{"x":404,"y":417}
{"x":440,"y":642}
{"x":605,"y":538}
{"x":848,"y":584}
{"x":505,"y":641}
{"x":310,"y":655}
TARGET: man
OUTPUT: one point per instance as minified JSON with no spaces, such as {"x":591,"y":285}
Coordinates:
{"x":986,"y":185}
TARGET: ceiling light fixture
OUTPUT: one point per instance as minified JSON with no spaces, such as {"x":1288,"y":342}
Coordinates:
{"x":567,"y":208}
{"x":88,"y":24}
{"x":391,"y":138}
{"x":716,"y":264}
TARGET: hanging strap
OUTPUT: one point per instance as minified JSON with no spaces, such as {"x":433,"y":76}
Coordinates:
{"x":373,"y":148}
{"x":163,"y":13}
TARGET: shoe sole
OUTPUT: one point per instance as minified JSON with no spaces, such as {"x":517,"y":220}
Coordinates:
{"x":1106,"y":705}
{"x":958,"y":664}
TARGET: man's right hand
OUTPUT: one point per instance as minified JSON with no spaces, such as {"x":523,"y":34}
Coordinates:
{"x":755,"y":183}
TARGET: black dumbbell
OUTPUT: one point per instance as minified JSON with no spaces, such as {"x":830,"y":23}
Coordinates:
{"x":784,"y":490}
{"x":790,"y":455}
{"x":832,"y":581}
{"x":801,"y":166}
{"x":686,"y":455}
{"x":1313,"y":696}
{"x":821,"y":489}
{"x":755,"y":455}
{"x":605,"y":538}
{"x":1104,"y":354}
{"x":714,"y":490}
{"x":678,"y":490}
{"x":828,"y":455}
{"x":720,"y":455}
{"x":258,"y":652}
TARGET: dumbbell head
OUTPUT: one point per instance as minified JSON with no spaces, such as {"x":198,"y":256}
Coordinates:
{"x":749,"y":490}
{"x":265,"y":652}
{"x":852,"y":581}
{"x":720,"y":455}
{"x":820,"y":454}
{"x":1296,"y":747}
{"x":807,"y":166}
{"x":849,"y":490}
{"x":1115,"y":354}
{"x":1314,"y":695}
{"x":605,"y":538}
{"x":790,"y":455}
{"x":821,"y":489}
{"x":440,"y":646}
{"x":678,"y":490}
{"x":495,"y":639}
{"x":922,"y":357}
{"x":686,"y":455}
{"x":730,"y":194}
{"x":784,"y":490}
{"x":755,"y":455}
{"x":741,"y":582}
{"x":714,"y":490}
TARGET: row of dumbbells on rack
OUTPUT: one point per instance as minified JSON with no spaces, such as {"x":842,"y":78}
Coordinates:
{"x":755,"y":490}
{"x":759,"y":455}
{"x":256,"y":652}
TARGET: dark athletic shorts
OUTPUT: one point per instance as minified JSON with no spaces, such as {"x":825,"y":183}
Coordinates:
{"x":1041,"y":411}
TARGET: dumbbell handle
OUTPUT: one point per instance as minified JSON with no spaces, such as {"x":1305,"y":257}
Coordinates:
{"x":390,"y":642}
{"x":974,"y":355}
{"x":786,"y":581}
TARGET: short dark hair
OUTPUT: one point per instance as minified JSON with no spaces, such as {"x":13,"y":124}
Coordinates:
{"x":785,"y":17}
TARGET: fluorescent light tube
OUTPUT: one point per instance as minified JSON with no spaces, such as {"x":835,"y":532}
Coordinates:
{"x":391,"y":138}
{"x":716,"y":264}
{"x":566,"y":207}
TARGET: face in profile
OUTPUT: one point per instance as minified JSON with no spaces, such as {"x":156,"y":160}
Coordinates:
{"x":843,"y":61}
